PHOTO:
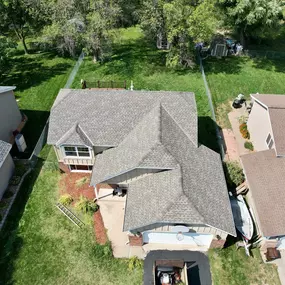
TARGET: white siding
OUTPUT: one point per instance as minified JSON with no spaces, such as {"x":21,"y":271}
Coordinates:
{"x":259,"y":127}
{"x":10,"y":116}
{"x":6,"y":171}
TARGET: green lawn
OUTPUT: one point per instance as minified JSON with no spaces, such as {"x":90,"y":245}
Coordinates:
{"x":38,"y":78}
{"x":43,"y":247}
{"x":232,"y":267}
{"x":138,"y":60}
{"x":233,"y":75}
{"x":40,"y":246}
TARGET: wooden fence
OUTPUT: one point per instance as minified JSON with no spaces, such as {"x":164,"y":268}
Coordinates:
{"x":107,"y":84}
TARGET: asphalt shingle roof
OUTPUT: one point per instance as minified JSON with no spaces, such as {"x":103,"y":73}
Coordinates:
{"x":265,"y":175}
{"x":149,"y":130}
{"x":4,"y":151}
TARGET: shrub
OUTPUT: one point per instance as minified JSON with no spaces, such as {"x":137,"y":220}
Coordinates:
{"x":234,"y":173}
{"x":66,"y":199}
{"x":15,"y":180}
{"x":135,"y":262}
{"x":244,"y":131}
{"x":1,"y":218}
{"x":8,"y":194}
{"x":86,"y":206}
{"x":249,"y":145}
{"x":3,"y":204}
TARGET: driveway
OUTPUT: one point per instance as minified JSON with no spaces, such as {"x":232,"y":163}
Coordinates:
{"x":112,"y":210}
{"x":202,"y":274}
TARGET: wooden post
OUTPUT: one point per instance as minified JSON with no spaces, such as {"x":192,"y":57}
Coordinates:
{"x":125,"y":84}
{"x":98,"y":83}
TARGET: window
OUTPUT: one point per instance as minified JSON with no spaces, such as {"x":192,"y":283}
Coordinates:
{"x":269,"y":141}
{"x":79,"y":168}
{"x":77,"y":151}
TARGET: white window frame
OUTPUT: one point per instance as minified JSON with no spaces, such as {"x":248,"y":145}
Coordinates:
{"x":85,"y":171}
{"x":77,"y":152}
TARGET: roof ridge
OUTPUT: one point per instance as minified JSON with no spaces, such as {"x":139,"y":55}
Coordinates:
{"x":165,"y":109}
{"x":84,"y":133}
{"x":67,"y":133}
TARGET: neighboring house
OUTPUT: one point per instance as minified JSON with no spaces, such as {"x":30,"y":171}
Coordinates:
{"x":265,"y":169}
{"x":10,"y":115}
{"x":6,"y":166}
{"x":146,"y":142}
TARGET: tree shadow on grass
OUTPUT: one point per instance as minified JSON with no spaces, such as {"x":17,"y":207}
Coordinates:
{"x":228,"y":65}
{"x":276,"y":65}
{"x":25,"y":72}
{"x":32,"y":132}
{"x":207,"y":133}
{"x":10,"y":241}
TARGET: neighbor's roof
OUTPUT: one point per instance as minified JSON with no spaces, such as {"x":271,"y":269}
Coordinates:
{"x":265,"y":175}
{"x":4,"y":151}
{"x":108,"y":116}
{"x":4,"y":89}
{"x":276,"y":108}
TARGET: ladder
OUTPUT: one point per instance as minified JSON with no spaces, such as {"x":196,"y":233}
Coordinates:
{"x":69,"y":215}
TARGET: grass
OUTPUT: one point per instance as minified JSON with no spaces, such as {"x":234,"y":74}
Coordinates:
{"x":41,"y":246}
{"x":136,"y":59}
{"x":231,"y":76}
{"x":38,"y":78}
{"x":232,"y":267}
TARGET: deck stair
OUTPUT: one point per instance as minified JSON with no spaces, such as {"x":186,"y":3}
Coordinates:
{"x":69,"y":215}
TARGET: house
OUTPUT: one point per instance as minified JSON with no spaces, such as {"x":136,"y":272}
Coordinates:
{"x":265,"y":168}
{"x":146,"y":142}
{"x":10,"y":114}
{"x":6,"y":166}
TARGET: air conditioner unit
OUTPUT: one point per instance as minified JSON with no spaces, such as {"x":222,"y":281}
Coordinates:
{"x":21,"y":143}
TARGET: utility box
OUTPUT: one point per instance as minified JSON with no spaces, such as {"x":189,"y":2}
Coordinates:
{"x":21,"y":143}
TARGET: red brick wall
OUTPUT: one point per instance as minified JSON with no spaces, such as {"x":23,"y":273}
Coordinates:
{"x":217,"y":243}
{"x":63,"y":167}
{"x":135,"y":240}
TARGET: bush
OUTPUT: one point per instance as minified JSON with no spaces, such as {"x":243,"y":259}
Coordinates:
{"x":8,"y":194}
{"x":249,"y":145}
{"x":66,"y":199}
{"x":135,"y":262}
{"x":86,"y":206}
{"x":244,"y":131}
{"x":15,"y":180}
{"x":1,"y":218}
{"x":234,"y":173}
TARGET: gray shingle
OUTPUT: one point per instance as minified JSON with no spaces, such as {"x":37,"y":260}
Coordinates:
{"x":265,"y":174}
{"x":4,"y":151}
{"x":107,"y":117}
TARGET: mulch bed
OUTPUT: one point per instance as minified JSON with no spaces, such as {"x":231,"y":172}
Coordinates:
{"x":68,"y":185}
{"x":99,"y":229}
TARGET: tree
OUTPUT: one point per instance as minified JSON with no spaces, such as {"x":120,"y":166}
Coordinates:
{"x":249,"y":17}
{"x":22,"y":17}
{"x":5,"y":47}
{"x":102,"y":18}
{"x":182,"y":22}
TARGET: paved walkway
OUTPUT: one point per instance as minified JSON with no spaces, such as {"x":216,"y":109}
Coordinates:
{"x":231,"y":147}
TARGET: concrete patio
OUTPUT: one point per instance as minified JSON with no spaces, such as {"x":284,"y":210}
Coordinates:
{"x":113,"y":210}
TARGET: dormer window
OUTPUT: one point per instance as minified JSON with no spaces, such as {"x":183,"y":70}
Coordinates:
{"x":269,"y":141}
{"x":76,"y":151}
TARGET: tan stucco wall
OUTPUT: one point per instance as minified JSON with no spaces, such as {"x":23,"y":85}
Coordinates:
{"x":10,"y":116}
{"x":6,"y":171}
{"x":259,"y":127}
